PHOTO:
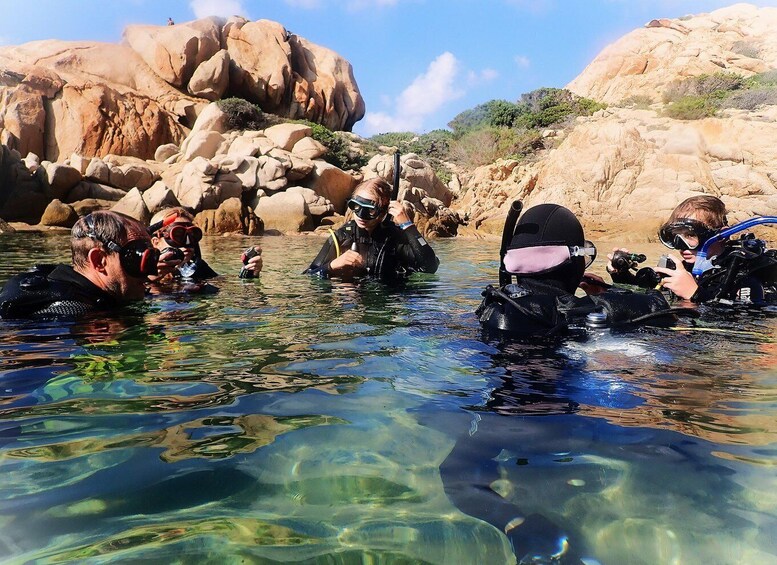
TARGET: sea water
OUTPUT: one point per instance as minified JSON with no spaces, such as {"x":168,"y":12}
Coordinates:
{"x":289,"y":419}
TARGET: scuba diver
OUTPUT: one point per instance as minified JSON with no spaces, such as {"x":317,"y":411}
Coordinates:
{"x":112,"y":259}
{"x":547,"y":253}
{"x":176,"y":237}
{"x":716,"y":267}
{"x":380,"y":242}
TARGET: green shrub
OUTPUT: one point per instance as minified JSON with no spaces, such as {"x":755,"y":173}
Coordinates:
{"x":768,"y":78}
{"x":641,"y":101}
{"x":494,"y":113}
{"x":241,"y":114}
{"x":747,"y":49}
{"x":486,"y":145}
{"x":691,"y":108}
{"x":717,"y":85}
{"x":339,"y":151}
{"x":751,"y":99}
{"x":393,"y":139}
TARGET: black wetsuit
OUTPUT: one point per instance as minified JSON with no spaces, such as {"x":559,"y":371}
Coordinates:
{"x":391,"y":253}
{"x":52,"y":291}
{"x":736,"y":275}
{"x":533,"y":307}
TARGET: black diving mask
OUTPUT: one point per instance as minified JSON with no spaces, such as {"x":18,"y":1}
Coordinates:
{"x":138,"y":257}
{"x":685,"y":234}
{"x":365,"y":208}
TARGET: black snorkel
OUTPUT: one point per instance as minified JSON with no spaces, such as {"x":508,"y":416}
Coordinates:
{"x":507,"y":236}
{"x":394,"y":185}
{"x":701,"y":256}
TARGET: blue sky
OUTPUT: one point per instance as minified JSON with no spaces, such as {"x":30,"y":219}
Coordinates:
{"x":418,"y":63}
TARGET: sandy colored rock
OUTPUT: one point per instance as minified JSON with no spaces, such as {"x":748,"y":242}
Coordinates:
{"x":230,"y":217}
{"x":284,"y":212}
{"x":86,"y":189}
{"x":324,"y":90}
{"x":261,"y":62}
{"x":299,"y":169}
{"x":80,"y":162}
{"x":211,"y":78}
{"x":629,"y":168}
{"x":5,"y":228}
{"x":59,"y":214}
{"x":308,"y":148}
{"x":174,"y":52}
{"x":132,"y":205}
{"x":332,"y":183}
{"x":211,"y":118}
{"x":646,"y":61}
{"x":89,"y":205}
{"x":32,"y":162}
{"x":159,"y":197}
{"x":317,"y":205}
{"x":201,"y":144}
{"x":132,"y":175}
{"x":286,"y":135}
{"x":62,"y":178}
{"x":98,"y":171}
{"x":164,"y":152}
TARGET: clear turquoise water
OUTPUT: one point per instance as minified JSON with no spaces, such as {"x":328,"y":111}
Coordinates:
{"x":296,"y":420}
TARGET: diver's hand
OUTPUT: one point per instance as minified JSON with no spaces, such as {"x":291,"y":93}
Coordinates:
{"x":398,"y":212}
{"x":347,"y":264}
{"x":593,"y":284}
{"x":256,"y":262}
{"x":169,"y":259}
{"x":610,"y":267}
{"x":679,"y":281}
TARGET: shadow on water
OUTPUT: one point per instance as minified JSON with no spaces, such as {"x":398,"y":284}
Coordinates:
{"x":289,"y":419}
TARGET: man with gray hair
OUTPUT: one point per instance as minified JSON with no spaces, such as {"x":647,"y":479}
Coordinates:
{"x":112,"y":258}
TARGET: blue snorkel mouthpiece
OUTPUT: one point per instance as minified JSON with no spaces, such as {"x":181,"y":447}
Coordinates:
{"x":701,"y":256}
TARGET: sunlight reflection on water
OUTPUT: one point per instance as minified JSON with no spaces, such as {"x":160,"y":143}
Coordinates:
{"x":290,"y":419}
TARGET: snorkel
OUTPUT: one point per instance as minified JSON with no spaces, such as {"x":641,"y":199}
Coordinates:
{"x":701,"y":256}
{"x":506,"y":277}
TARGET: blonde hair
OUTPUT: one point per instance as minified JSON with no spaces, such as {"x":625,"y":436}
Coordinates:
{"x":378,"y":187}
{"x":178,"y":211}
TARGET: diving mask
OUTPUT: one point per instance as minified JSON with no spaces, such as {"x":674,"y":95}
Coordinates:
{"x":685,"y":234}
{"x":365,"y":208}
{"x":542,"y":258}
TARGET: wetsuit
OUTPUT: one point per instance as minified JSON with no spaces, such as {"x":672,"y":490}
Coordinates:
{"x":391,"y":252}
{"x":52,"y":291}
{"x":540,"y":307}
{"x":737,"y":274}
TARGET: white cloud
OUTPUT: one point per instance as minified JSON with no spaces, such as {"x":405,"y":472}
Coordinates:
{"x":522,"y":61}
{"x":476,"y":78}
{"x":225,"y":8}
{"x":350,"y":5}
{"x":425,"y":95}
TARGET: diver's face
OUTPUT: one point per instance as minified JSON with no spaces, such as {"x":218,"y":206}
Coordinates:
{"x":362,"y":222}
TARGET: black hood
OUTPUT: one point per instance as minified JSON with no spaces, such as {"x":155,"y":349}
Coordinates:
{"x":551,"y":224}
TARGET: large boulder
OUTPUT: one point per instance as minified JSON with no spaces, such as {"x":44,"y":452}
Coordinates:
{"x":211,"y":78}
{"x":287,"y":135}
{"x":5,"y":227}
{"x":201,"y":144}
{"x":132,"y":205}
{"x":230,"y":217}
{"x":174,"y":52}
{"x":332,"y":183}
{"x":159,"y":197}
{"x":739,"y":39}
{"x":59,"y":214}
{"x":86,"y":189}
{"x":284,"y":212}
{"x":62,"y":178}
{"x":261,"y":62}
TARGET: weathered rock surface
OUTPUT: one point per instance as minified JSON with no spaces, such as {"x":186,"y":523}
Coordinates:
{"x":739,"y":39}
{"x":58,"y":97}
{"x":627,"y":169}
